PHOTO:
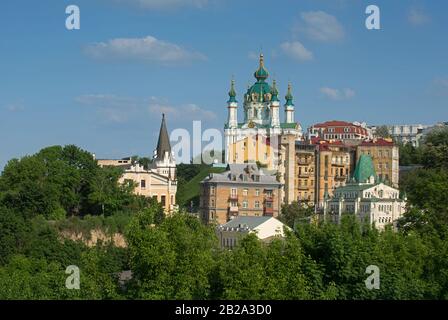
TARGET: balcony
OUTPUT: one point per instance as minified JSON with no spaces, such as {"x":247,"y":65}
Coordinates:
{"x":302,"y":187}
{"x":304,"y":174}
{"x":233,"y":209}
{"x":337,"y":164}
{"x":305,"y":161}
{"x":233,"y":197}
{"x":268,"y":211}
{"x":340,"y":178}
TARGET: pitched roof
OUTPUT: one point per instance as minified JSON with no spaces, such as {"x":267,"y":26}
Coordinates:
{"x":163,"y":145}
{"x":243,"y":173}
{"x":364,"y":169}
{"x":249,"y":222}
{"x":377,"y":142}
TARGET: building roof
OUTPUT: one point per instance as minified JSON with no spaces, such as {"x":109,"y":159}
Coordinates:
{"x":335,"y":123}
{"x":364,"y":169}
{"x":244,"y":173}
{"x":163,"y":145}
{"x":249,"y":222}
{"x":378,"y":142}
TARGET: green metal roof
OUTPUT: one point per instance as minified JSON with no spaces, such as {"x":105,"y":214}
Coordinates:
{"x":364,"y":169}
{"x":288,"y":125}
{"x":261,"y":74}
{"x":289,"y":96}
{"x":232,"y":93}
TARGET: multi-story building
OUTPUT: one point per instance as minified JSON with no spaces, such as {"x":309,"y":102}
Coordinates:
{"x":159,"y":181}
{"x":366,"y":197}
{"x":385,"y":155}
{"x":266,"y":229}
{"x":305,"y":186}
{"x":335,"y":163}
{"x":242,"y":190}
{"x":340,"y":130}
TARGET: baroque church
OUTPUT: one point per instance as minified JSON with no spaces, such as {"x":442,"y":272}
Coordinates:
{"x":159,"y":181}
{"x":264,"y":136}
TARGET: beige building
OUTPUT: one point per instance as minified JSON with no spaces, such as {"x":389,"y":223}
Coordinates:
{"x":159,"y":181}
{"x":385,"y":155}
{"x":305,"y":178}
{"x":242,"y":190}
{"x":266,"y":229}
{"x":335,"y":164}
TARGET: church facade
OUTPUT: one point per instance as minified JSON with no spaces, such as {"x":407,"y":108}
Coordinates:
{"x":264,"y":136}
{"x":159,"y":181}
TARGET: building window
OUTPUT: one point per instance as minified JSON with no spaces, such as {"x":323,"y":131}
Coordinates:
{"x":257,"y":192}
{"x":245,"y":204}
{"x":245,"y":192}
{"x":233,"y":191}
{"x":212,"y":190}
{"x":143,"y":184}
{"x":172,"y":199}
{"x":163,"y":200}
{"x":257,"y":204}
{"x":212,"y":202}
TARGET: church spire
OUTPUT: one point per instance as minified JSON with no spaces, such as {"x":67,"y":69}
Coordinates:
{"x":232,"y":93}
{"x":289,"y":96}
{"x":163,"y":145}
{"x":261,"y":74}
{"x":274,"y":91}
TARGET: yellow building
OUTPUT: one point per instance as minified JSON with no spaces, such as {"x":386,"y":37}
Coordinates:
{"x":385,"y":156}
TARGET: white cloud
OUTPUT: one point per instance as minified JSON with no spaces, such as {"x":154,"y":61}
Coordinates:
{"x":148,"y":49}
{"x":111,"y":108}
{"x":14,"y":107}
{"x":337,"y":94}
{"x":320,"y":26}
{"x":296,"y":50}
{"x":253,"y":56}
{"x":119,"y":109}
{"x":418,"y":17}
{"x":164,"y":4}
{"x":186,"y":111}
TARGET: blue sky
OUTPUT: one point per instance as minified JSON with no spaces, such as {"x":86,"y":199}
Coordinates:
{"x":104,"y":87}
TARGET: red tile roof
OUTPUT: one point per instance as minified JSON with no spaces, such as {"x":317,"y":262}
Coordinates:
{"x":377,"y":142}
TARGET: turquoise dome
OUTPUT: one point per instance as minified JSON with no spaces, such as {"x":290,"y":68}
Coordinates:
{"x":261,"y":74}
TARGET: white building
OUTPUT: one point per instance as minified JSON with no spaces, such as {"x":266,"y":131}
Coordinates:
{"x":261,"y":108}
{"x":366,"y":197}
{"x":405,"y":133}
{"x":266,"y":229}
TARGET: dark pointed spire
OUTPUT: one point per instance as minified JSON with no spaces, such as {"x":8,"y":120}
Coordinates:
{"x":163,"y":145}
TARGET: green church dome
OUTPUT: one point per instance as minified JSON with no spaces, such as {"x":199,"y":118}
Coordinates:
{"x":364,"y":169}
{"x":261,"y":74}
{"x":260,"y":88}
